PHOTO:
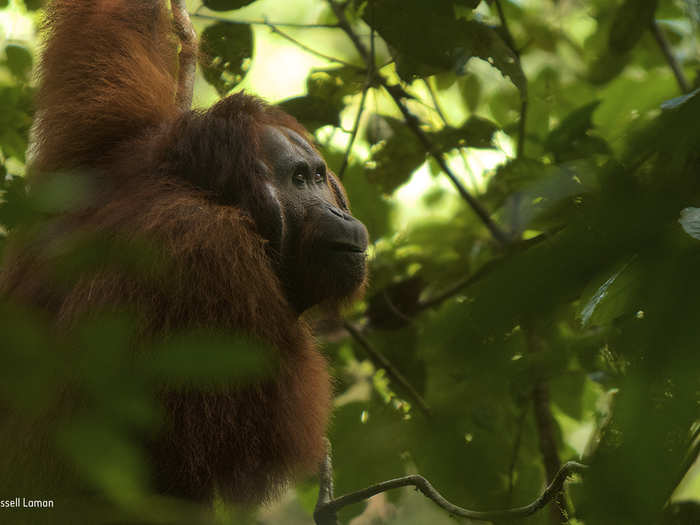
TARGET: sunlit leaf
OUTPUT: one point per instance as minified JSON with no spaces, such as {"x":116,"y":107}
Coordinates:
{"x":313,"y":112}
{"x":227,"y":48}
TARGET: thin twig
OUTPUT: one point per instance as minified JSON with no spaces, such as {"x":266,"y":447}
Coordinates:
{"x":436,"y":103}
{"x":381,"y":361}
{"x":412,"y":122}
{"x":670,"y":58}
{"x":429,"y":491}
{"x":188,"y":54}
{"x":523,"y":105}
{"x":353,"y":133}
{"x":274,"y":27}
{"x":544,"y":423}
{"x":325,"y":490}
{"x":360,"y":110}
{"x":506,"y":29}
{"x":309,"y":50}
{"x":263,"y":22}
{"x":516,"y":450}
{"x":436,"y":107}
{"x":339,"y":10}
{"x":522,"y":124}
{"x":459,"y":286}
{"x":482,"y":272}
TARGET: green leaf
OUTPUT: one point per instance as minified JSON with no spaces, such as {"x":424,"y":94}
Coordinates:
{"x":15,"y":206}
{"x":486,"y":43}
{"x":228,"y":48}
{"x":379,"y":430}
{"x":476,"y":132}
{"x":631,"y":21}
{"x":15,"y":119}
{"x":313,"y":112}
{"x":105,"y":456}
{"x":446,"y":43}
{"x":396,"y":158}
{"x":400,"y":153}
{"x":225,"y":5}
{"x":336,"y":83}
{"x":513,"y":177}
{"x":19,"y":60}
{"x":33,"y":5}
{"x":470,"y":86}
{"x":572,"y":139}
{"x":203,"y":357}
{"x":677,"y":102}
{"x":471,"y":4}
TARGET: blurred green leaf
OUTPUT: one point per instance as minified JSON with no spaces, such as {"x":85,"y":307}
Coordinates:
{"x":471,"y":88}
{"x":632,"y":20}
{"x":395,"y":158}
{"x":313,"y":112}
{"x":573,"y":138}
{"x":225,"y":5}
{"x":227,"y":48}
{"x":209,"y":358}
{"x":380,"y":431}
{"x":105,"y":457}
{"x":476,"y":132}
{"x":19,"y":60}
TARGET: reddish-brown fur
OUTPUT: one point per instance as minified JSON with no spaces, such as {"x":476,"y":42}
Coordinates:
{"x":106,"y":107}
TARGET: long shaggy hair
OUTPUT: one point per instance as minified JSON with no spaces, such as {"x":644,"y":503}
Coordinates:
{"x":106,"y":110}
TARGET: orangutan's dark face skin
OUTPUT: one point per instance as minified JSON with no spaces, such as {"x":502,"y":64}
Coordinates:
{"x":321,"y":246}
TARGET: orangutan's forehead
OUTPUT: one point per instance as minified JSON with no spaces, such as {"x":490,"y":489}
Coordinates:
{"x":279,"y":143}
{"x":298,"y":140}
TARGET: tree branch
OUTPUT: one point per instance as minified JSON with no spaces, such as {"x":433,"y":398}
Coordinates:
{"x":188,"y":54}
{"x":459,"y":286}
{"x":322,"y":516}
{"x":309,"y":50}
{"x":360,"y":110}
{"x":331,"y":508}
{"x":436,"y":107}
{"x":544,"y":423}
{"x":264,"y":22}
{"x":353,"y":133}
{"x":520,"y":151}
{"x":381,"y":361}
{"x":274,"y":27}
{"x":482,"y":272}
{"x":412,"y":122}
{"x":670,"y":58}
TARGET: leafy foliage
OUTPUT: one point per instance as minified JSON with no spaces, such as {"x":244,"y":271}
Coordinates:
{"x":566,"y":122}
